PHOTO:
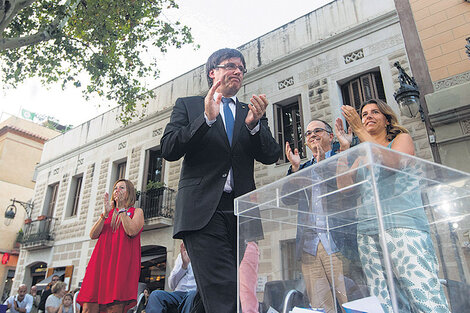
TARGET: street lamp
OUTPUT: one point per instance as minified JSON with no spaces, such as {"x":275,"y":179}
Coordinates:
{"x":10,"y":211}
{"x":407,"y":96}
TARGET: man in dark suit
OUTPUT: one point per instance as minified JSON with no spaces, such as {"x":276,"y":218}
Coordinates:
{"x":317,"y":249}
{"x":219,"y":138}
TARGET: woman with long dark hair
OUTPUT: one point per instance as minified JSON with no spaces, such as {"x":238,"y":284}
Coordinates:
{"x":407,"y":234}
{"x":112,"y":276}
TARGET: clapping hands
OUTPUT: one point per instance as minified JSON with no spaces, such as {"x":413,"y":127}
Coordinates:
{"x":344,"y":138}
{"x":106,"y":205}
{"x":293,"y":157}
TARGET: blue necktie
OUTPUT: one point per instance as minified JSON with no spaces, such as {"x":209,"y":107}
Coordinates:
{"x":229,"y":121}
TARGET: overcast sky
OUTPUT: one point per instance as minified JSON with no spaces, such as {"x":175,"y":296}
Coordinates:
{"x":215,"y":24}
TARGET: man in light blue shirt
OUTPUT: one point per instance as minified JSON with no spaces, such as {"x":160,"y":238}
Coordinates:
{"x":318,"y":249}
{"x":22,"y":302}
{"x":184,"y":287}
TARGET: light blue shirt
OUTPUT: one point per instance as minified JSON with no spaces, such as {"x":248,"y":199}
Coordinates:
{"x":182,"y":279}
{"x":318,"y":220}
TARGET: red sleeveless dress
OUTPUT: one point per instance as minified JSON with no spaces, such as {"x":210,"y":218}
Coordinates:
{"x":113,"y":271}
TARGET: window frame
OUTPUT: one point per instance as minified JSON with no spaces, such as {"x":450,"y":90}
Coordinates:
{"x":75,"y":193}
{"x":145,"y":176}
{"x":50,"y":201}
{"x":354,"y":89}
{"x":280,"y":131}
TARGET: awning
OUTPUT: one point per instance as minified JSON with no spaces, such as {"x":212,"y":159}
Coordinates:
{"x":151,"y":257}
{"x":43,"y":283}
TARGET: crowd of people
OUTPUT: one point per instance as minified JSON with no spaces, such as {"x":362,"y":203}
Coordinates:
{"x":54,"y":299}
{"x":219,"y":139}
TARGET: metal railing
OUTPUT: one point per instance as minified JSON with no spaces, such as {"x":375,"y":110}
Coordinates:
{"x":39,"y":231}
{"x":157,"y":202}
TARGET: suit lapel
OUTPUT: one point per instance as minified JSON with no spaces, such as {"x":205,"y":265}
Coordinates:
{"x":219,"y":123}
{"x":240,"y":116}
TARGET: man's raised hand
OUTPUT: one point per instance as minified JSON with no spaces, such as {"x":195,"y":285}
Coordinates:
{"x":211,"y":106}
{"x":257,"y":108}
{"x":293,"y":157}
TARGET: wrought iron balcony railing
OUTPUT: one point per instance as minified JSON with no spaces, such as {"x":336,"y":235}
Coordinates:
{"x":39,"y":233}
{"x":157,"y":203}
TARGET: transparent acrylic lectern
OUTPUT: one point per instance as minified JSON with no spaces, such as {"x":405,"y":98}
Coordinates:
{"x":368,"y":225}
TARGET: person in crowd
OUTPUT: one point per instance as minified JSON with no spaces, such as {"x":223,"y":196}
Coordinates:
{"x":219,"y":138}
{"x":46,"y":293}
{"x":67,"y":304}
{"x":182,"y":283}
{"x":145,"y":299}
{"x":74,"y":292}
{"x":36,"y":299}
{"x":54,"y":301}
{"x":21,"y":303}
{"x":111,"y":279}
{"x":318,"y":250}
{"x":415,"y":269}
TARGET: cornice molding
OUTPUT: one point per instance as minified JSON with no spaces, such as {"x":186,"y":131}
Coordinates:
{"x":115,"y":134}
{"x":450,"y":116}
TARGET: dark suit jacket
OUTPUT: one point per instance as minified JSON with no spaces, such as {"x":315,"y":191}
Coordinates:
{"x":208,"y":158}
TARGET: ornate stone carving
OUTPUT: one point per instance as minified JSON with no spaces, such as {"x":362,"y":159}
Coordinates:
{"x":385,"y":44}
{"x":313,"y":72}
{"x":353,"y":56}
{"x":122,"y":145}
{"x":285,"y":83}
{"x":452,"y":81}
{"x":465,"y":124}
{"x":157,"y":132}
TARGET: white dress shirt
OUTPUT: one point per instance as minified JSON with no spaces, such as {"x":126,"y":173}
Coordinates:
{"x":27,"y":303}
{"x":229,"y":182}
{"x":182,"y":279}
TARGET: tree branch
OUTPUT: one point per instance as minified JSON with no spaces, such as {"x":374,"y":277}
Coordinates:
{"x":13,"y":43}
{"x":7,"y":14}
{"x":47,"y":34}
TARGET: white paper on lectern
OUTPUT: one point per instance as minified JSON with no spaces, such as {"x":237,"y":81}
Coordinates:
{"x":304,"y":310}
{"x":364,"y":305}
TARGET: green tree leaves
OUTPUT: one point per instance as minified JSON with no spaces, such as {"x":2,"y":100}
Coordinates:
{"x":109,"y":40}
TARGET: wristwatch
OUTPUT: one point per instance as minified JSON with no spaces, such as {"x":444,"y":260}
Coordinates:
{"x":122,"y":211}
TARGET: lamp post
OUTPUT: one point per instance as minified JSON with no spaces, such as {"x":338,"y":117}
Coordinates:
{"x":408,"y":99}
{"x":407,"y":96}
{"x":10,"y":211}
{"x":468,"y":47}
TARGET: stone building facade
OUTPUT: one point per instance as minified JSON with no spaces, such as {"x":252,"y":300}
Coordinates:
{"x":443,"y":27}
{"x":21,"y":144}
{"x":443,"y":70}
{"x":341,"y":53}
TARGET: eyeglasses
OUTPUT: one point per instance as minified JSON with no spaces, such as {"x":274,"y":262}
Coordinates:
{"x":316,"y":132}
{"x":232,"y":67}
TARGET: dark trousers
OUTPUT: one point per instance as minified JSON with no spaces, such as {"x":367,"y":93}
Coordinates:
{"x":213,"y":253}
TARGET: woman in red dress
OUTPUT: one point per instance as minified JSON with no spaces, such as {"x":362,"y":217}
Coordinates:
{"x":112,"y":275}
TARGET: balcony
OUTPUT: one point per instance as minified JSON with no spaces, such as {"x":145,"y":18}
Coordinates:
{"x":157,"y":205}
{"x":39,"y":234}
